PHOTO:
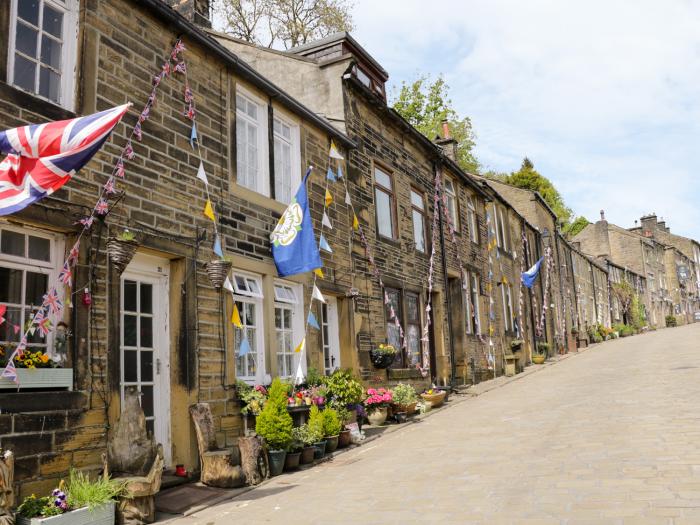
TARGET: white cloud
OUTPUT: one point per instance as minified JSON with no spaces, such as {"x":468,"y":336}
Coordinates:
{"x":601,"y":95}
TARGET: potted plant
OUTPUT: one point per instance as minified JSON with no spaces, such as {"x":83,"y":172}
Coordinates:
{"x":344,"y":435}
{"x":35,"y":369}
{"x":294,"y":448}
{"x":121,"y":249}
{"x":377,"y":405}
{"x":542,"y":349}
{"x":516,"y":345}
{"x":331,"y":428}
{"x":83,"y":502}
{"x":382,"y":356}
{"x":307,"y":437}
{"x":218,"y":270}
{"x":274,"y":425}
{"x":404,"y":399}
{"x":434,"y":397}
{"x":316,"y":426}
{"x":344,"y":391}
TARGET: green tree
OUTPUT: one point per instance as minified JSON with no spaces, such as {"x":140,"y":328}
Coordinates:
{"x":425,"y":104}
{"x":576,"y":226}
{"x":274,"y":423}
{"x":283,"y":23}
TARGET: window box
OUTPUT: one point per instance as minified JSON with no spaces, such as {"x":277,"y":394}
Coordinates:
{"x":102,"y":515}
{"x":52,"y":378}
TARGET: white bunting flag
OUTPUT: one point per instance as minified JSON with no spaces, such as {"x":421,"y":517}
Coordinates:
{"x":334,"y":153}
{"x":326,"y":221}
{"x":201,"y":174}
{"x":347,"y":198}
{"x":299,"y":376}
{"x":318,"y":295}
{"x":227,"y":285}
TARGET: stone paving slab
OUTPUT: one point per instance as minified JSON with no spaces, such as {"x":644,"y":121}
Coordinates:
{"x":609,"y":436}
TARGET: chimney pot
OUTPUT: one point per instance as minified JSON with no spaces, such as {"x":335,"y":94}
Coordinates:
{"x":445,"y":129}
{"x":602,"y":215}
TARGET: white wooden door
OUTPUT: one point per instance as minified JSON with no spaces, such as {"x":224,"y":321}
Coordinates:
{"x":145,"y":341}
{"x":329,"y":333}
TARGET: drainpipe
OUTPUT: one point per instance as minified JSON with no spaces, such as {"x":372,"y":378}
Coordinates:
{"x":448,"y":300}
{"x":595,"y":301}
{"x":565,"y":339}
{"x":528,"y":264}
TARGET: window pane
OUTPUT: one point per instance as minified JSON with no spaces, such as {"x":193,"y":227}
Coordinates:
{"x":10,"y":286}
{"x":51,"y":52}
{"x":39,"y":248}
{"x":413,"y":344}
{"x":412,"y":308}
{"x":146,"y":365}
{"x":49,"y":84}
{"x":278,"y":318}
{"x":130,"y":296}
{"x":146,"y":332}
{"x":130,"y":330}
{"x":287,"y":317}
{"x":26,"y":39}
{"x":13,"y":317}
{"x":384,"y":214}
{"x":53,"y":21}
{"x":28,"y":10}
{"x":25,"y":73}
{"x":382,"y":178}
{"x":12,"y":243}
{"x":37,"y":284}
{"x":417,"y":200}
{"x":147,"y":400}
{"x":250,"y":314}
{"x":130,"y":370}
{"x":146,"y":293}
{"x":418,"y":231}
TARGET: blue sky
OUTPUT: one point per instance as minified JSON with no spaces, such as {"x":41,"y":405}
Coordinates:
{"x":603,"y":96}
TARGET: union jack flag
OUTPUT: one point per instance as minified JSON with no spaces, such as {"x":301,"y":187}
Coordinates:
{"x":10,"y":372}
{"x":74,"y":253}
{"x":43,"y":157}
{"x":52,"y":300}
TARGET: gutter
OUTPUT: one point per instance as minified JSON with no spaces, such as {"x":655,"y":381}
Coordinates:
{"x":179,"y":23}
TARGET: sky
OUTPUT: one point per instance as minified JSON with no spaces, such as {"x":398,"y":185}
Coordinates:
{"x":602,"y":96}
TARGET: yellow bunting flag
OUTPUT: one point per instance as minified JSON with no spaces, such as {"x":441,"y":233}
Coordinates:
{"x":329,"y":198}
{"x":300,"y":346}
{"x":334,"y":153}
{"x":209,"y":211}
{"x":355,"y":222}
{"x":319,"y":273}
{"x":236,"y":317}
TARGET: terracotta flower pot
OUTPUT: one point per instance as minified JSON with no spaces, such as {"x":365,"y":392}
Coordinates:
{"x":436,"y":399}
{"x":307,"y":455}
{"x":538,"y":359}
{"x":343,"y":438}
{"x":409,"y":409}
{"x":331,"y":444}
{"x":377,"y":416}
{"x":276,"y":459}
{"x":291,"y":462}
{"x":217,"y":270}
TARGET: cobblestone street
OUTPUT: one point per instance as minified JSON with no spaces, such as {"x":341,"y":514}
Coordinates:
{"x":607,"y":436}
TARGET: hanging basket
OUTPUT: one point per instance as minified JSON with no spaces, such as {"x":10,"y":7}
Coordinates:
{"x":381,"y":360}
{"x":121,"y":252}
{"x":217,"y":270}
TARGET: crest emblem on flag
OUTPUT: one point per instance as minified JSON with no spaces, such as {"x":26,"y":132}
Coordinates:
{"x":41,"y":158}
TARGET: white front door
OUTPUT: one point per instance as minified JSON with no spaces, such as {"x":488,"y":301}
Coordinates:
{"x":329,"y":333}
{"x":145,"y":341}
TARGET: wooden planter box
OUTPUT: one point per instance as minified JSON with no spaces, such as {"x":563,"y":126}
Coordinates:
{"x":102,"y":515}
{"x":56,"y":378}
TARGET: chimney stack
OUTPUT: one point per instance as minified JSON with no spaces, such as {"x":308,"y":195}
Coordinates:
{"x":196,"y":11}
{"x":445,"y":129}
{"x":447,"y":144}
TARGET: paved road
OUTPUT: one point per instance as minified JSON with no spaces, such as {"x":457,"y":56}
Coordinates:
{"x":608,"y":436}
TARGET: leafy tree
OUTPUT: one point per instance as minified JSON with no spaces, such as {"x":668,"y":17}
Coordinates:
{"x":576,"y":226}
{"x":425,"y":104}
{"x":286,"y":23}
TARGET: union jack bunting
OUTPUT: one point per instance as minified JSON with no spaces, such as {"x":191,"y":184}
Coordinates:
{"x":44,"y":326}
{"x":52,"y":300}
{"x":43,"y":157}
{"x":10,"y":372}
{"x":73,"y":254}
{"x":66,"y":274}
{"x":109,"y":187}
{"x":101,"y":208}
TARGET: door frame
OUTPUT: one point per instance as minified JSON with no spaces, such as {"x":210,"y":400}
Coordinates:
{"x":333,"y":332}
{"x":156,"y":271}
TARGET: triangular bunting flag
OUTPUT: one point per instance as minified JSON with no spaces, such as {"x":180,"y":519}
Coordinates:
{"x":236,"y":317}
{"x":299,"y":376}
{"x":300,"y":347}
{"x":217,"y":247}
{"x":193,"y":135}
{"x":201,"y":174}
{"x":329,"y":198}
{"x":355,"y":222}
{"x":316,"y":294}
{"x":311,"y":321}
{"x":334,"y":153}
{"x":3,"y":309}
{"x":340,"y":172}
{"x":323,"y":244}
{"x":209,"y":211}
{"x":227,"y":285}
{"x":330,"y":175}
{"x":319,"y":273}
{"x":244,"y":348}
{"x":326,"y":221}
{"x":10,"y":372}
{"x":347,"y":198}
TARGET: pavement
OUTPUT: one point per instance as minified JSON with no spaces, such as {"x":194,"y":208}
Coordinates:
{"x":606,"y":436}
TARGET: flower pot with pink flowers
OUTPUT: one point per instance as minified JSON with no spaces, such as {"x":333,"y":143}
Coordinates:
{"x":377,"y":405}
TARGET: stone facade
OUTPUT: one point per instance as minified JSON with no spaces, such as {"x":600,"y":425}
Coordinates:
{"x":119,"y":47}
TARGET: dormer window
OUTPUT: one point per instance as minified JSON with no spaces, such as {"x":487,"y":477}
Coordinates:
{"x":369,"y":81}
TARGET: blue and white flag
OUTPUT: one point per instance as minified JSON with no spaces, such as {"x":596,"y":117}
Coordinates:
{"x":294,"y":247}
{"x":529,"y":276}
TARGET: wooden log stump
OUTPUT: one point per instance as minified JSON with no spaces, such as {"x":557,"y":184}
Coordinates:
{"x":253,"y":459}
{"x":7,"y":495}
